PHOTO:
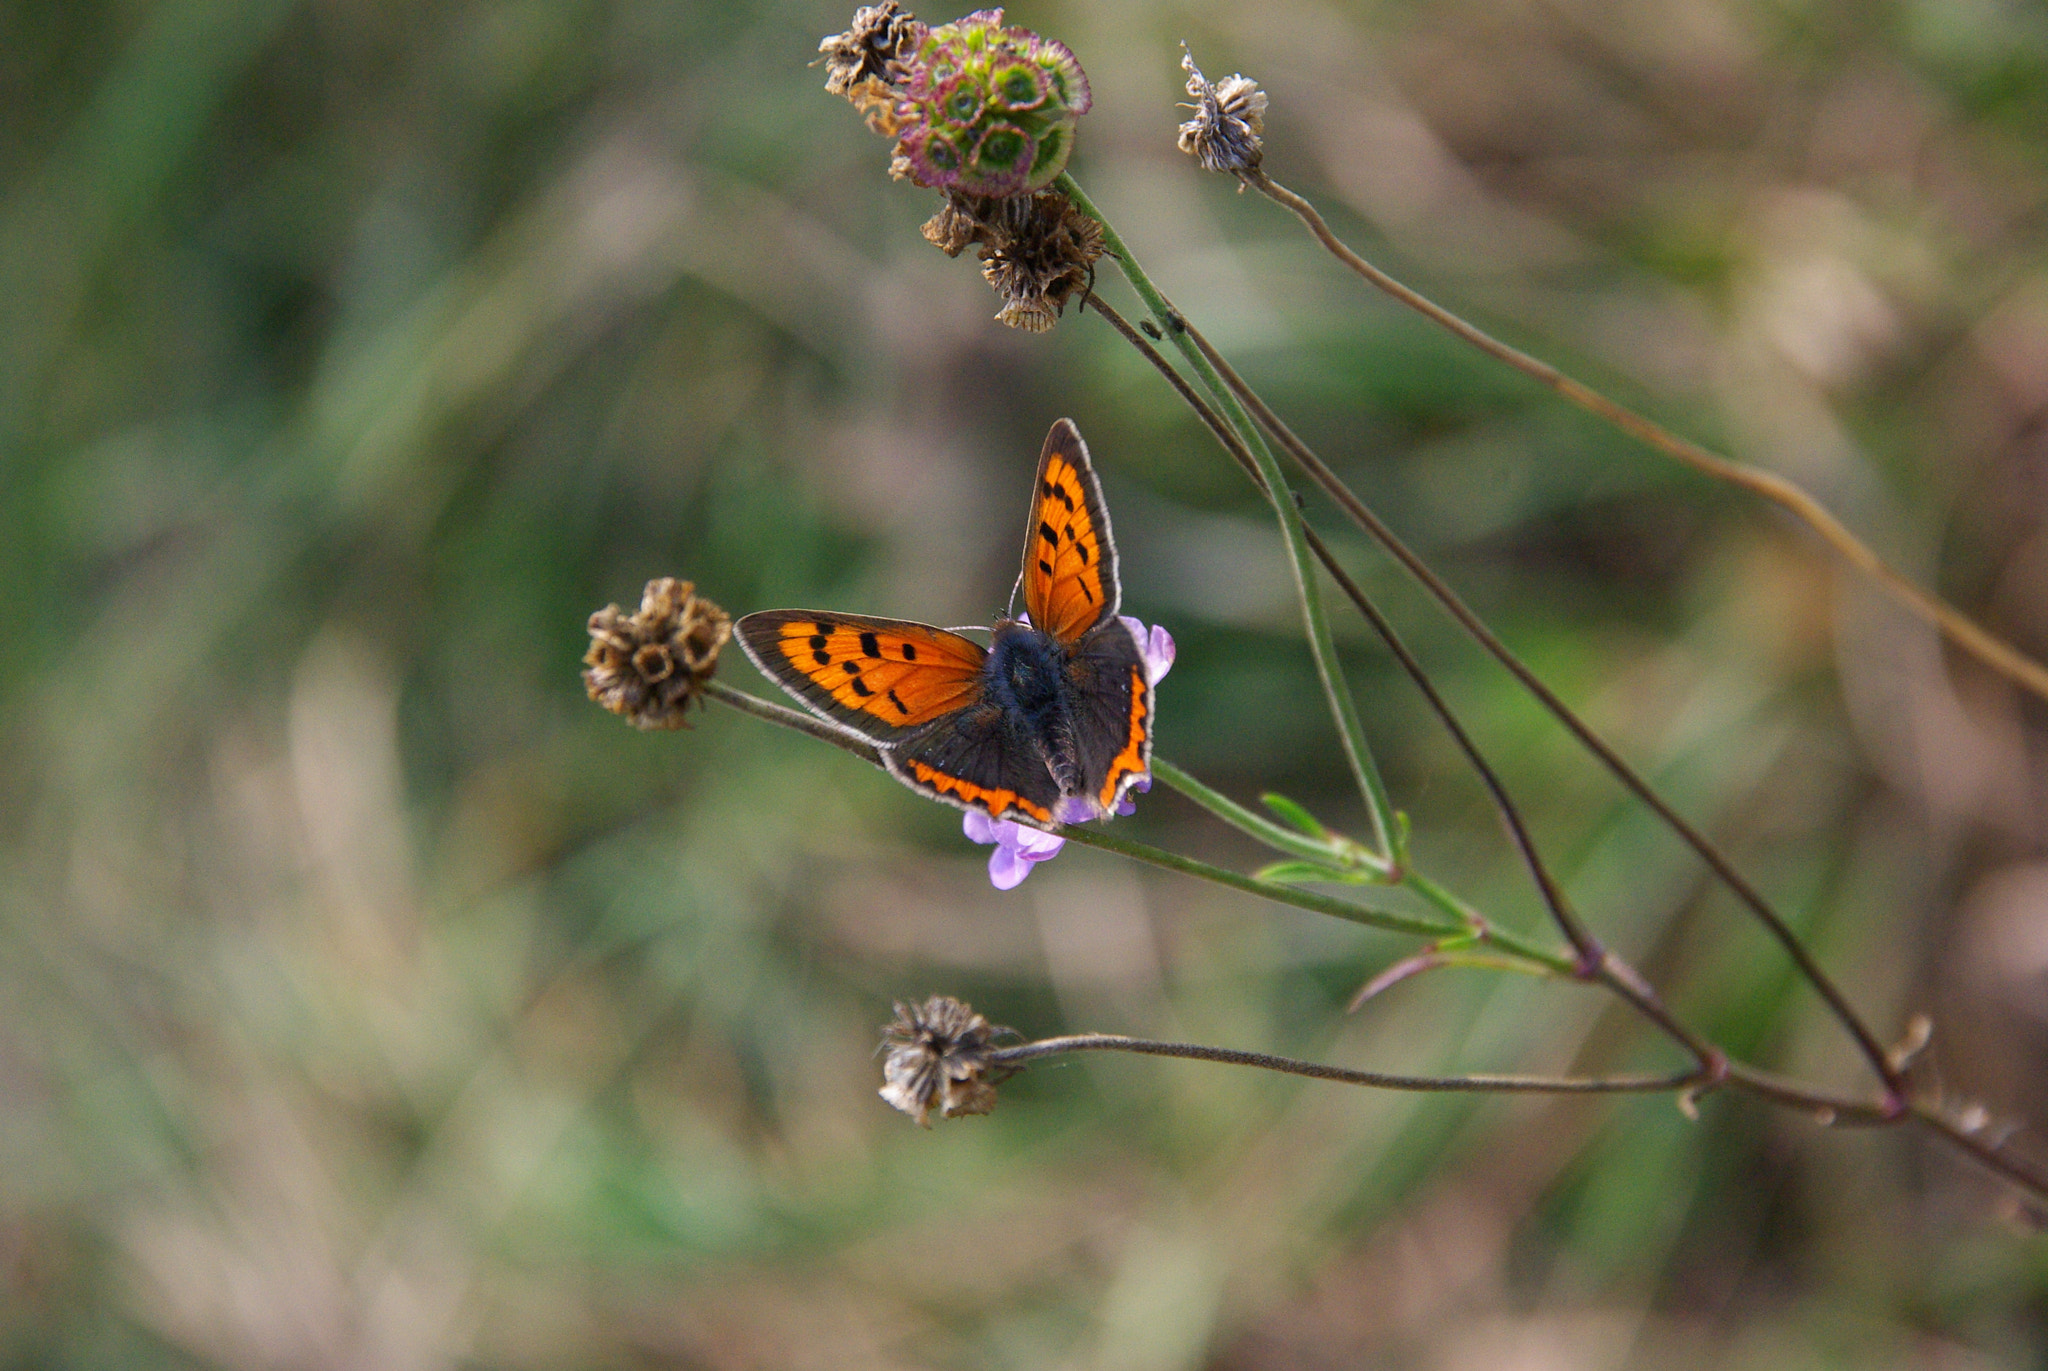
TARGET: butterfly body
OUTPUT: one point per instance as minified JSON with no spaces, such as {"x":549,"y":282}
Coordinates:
{"x":1051,"y":723}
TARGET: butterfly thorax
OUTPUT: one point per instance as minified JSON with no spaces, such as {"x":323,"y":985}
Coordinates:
{"x":1027,"y":676}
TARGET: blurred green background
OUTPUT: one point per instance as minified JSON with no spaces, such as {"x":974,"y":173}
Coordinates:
{"x":370,"y":999}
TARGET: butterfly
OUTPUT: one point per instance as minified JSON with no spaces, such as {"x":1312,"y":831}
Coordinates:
{"x":1050,"y":723}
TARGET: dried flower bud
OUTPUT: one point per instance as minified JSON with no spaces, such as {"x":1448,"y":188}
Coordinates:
{"x":1036,"y":251}
{"x":869,"y":51}
{"x":987,"y":110}
{"x":938,"y":1055}
{"x":960,"y":223}
{"x":648,"y":667}
{"x":1229,"y":117}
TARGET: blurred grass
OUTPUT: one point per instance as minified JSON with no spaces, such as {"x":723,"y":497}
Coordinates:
{"x":368,"y":998}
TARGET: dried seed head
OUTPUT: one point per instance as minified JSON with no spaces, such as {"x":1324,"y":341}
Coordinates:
{"x":1043,"y":261}
{"x":647,"y":667}
{"x":1036,"y":250}
{"x":880,"y":37}
{"x":938,"y":1055}
{"x":1229,"y":117}
{"x":987,"y":110}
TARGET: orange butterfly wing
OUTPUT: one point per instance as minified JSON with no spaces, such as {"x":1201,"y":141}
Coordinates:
{"x":1070,"y":581}
{"x":882,"y":678}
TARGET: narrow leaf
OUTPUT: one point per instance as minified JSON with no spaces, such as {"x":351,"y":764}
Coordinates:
{"x":1307,"y":873}
{"x":1394,"y":975}
{"x":1292,"y":813}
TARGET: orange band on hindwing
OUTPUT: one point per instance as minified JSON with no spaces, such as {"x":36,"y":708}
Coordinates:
{"x":1132,"y":761}
{"x":995,"y":802}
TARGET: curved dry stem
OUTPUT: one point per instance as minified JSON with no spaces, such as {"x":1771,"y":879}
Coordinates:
{"x":1965,"y":633}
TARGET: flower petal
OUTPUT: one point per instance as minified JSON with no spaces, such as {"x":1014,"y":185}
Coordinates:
{"x":979,"y":827}
{"x":1032,"y":845}
{"x":1007,"y":870}
{"x":1076,"y":809}
{"x":1155,"y":645}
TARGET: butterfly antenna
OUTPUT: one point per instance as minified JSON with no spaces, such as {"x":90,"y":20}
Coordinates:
{"x":1015,"y":587}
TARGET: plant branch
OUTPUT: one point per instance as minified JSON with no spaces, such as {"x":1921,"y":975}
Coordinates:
{"x":794,"y":718}
{"x":1474,"y":626}
{"x":1990,"y":1153}
{"x":1338,"y":853}
{"x":1374,"y":916}
{"x":1520,"y":1085}
{"x":1959,"y":629}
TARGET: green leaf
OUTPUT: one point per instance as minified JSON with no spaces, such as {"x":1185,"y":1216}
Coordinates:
{"x":1309,"y":873}
{"x":1292,"y":813}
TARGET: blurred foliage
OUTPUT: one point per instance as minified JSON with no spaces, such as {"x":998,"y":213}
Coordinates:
{"x":368,"y":998}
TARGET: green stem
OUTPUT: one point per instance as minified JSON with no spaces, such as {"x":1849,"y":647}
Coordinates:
{"x":1446,"y":901}
{"x":1370,"y":915}
{"x":1338,"y":852}
{"x":1374,"y":916}
{"x":1322,"y":644}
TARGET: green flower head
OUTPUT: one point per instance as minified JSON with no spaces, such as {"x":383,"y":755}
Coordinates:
{"x":988,"y":110}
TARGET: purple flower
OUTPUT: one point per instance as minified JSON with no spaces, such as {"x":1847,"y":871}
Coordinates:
{"x":1155,"y":645}
{"x":1017,"y":847}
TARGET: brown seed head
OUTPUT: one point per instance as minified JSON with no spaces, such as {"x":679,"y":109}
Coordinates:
{"x":880,"y":35}
{"x":1036,"y":250}
{"x":1229,"y":117}
{"x":938,"y":1055}
{"x":647,"y":667}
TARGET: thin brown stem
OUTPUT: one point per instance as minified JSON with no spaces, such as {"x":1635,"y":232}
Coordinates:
{"x":1518,"y":1085}
{"x":793,"y":718}
{"x":1707,"y":851}
{"x":1987,"y":648}
{"x":1826,"y":1107}
{"x":1988,"y":1152}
